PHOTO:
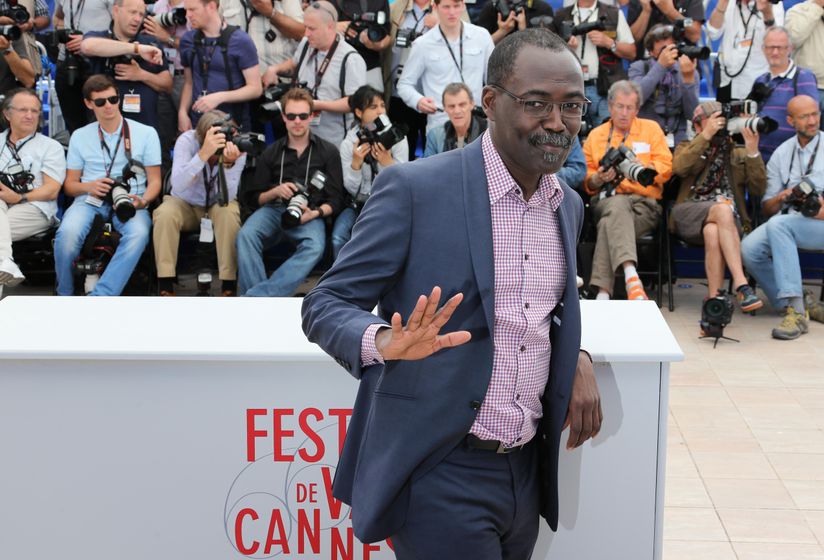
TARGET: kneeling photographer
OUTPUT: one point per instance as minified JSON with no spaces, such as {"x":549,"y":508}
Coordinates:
{"x":374,"y":144}
{"x":298,"y":182}
{"x":32,"y":168}
{"x":793,"y":203}
{"x":206,"y":174}
{"x":710,"y":210}
{"x":113,"y":171}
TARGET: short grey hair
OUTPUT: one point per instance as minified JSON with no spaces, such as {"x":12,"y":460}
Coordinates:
{"x":326,"y":8}
{"x":626,"y":87}
{"x":455,"y":88}
{"x":778,"y":29}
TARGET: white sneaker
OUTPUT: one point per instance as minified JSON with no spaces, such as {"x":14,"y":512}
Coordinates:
{"x":10,"y":274}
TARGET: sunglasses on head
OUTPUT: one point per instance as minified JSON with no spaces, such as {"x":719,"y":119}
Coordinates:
{"x":100,"y":101}
{"x":301,"y":116}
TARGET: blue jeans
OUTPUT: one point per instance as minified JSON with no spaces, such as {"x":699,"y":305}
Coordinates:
{"x":598,"y":109}
{"x":342,"y":231}
{"x":263,"y":229}
{"x":76,"y":224}
{"x":770,"y":253}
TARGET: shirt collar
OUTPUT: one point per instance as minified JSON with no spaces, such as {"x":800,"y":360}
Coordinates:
{"x":787,"y":74}
{"x":500,"y":181}
{"x":814,"y":143}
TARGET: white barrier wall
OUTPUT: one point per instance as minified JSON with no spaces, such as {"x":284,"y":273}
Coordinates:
{"x":141,"y":428}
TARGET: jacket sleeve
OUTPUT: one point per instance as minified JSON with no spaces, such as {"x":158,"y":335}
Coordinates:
{"x":756,"y":173}
{"x":647,"y":79}
{"x":575,"y":167}
{"x":687,"y":159}
{"x":801,"y":20}
{"x":333,"y":191}
{"x":351,"y":179}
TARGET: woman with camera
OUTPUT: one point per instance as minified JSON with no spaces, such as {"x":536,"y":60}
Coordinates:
{"x":199,"y":198}
{"x":363,"y":155}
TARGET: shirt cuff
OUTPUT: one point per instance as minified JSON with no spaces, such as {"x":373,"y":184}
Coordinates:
{"x":369,"y":352}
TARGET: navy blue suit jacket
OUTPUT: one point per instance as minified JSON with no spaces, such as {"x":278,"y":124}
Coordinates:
{"x":428,"y":223}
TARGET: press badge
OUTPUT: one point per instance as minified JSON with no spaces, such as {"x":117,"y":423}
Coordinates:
{"x":131,"y":103}
{"x":640,"y":148}
{"x":671,"y":140}
{"x":207,"y":234}
{"x":94,"y":201}
{"x":744,"y":43}
{"x":315,"y":120}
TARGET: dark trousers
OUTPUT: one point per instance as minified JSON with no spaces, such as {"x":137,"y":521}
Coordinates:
{"x":399,"y":112}
{"x":70,"y":96}
{"x":475,"y":504}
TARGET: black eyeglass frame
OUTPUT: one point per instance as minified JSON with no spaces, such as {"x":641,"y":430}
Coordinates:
{"x":549,"y":104}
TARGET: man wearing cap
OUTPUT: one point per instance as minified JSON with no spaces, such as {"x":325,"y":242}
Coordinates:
{"x":710,"y":209}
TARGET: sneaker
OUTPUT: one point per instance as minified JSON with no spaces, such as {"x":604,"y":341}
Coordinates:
{"x":747,"y":300}
{"x":792,"y":326}
{"x":10,"y":274}
{"x":815,"y":308}
{"x":635,"y":289}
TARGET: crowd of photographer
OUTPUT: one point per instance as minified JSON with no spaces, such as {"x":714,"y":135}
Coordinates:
{"x":184,"y":89}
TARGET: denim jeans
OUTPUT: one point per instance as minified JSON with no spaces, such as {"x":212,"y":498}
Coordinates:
{"x":76,"y":224}
{"x":770,"y":253}
{"x":263,"y":229}
{"x":342,"y":231}
{"x":598,"y":110}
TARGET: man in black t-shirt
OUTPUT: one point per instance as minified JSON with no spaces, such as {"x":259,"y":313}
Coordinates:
{"x":643,"y":14}
{"x":522,"y":14}
{"x":368,"y":38}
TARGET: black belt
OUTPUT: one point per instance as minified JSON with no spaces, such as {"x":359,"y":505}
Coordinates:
{"x":592,"y":82}
{"x":474,"y":442}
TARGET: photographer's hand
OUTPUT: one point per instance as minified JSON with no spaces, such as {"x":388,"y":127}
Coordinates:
{"x":687,"y":66}
{"x":100,"y":188}
{"x":521,"y":19}
{"x":359,"y":153}
{"x":184,"y":123}
{"x":600,"y":39}
{"x":9,"y":196}
{"x":284,"y":191}
{"x":138,"y":201}
{"x":208,"y":102}
{"x":74,"y":43}
{"x":750,"y":141}
{"x":427,"y":105}
{"x":151,"y":27}
{"x":602,"y":177}
{"x":668,"y":56}
{"x":230,"y":154}
{"x":131,"y":72}
{"x":573,"y":42}
{"x":507,"y":24}
{"x":308,"y":214}
{"x":421,"y":336}
{"x":150,"y":54}
{"x":382,"y":155}
{"x":712,"y":125}
{"x":212,"y":142}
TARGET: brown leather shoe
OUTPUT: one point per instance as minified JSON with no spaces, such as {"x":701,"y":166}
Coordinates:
{"x":167,"y":293}
{"x":228,"y":293}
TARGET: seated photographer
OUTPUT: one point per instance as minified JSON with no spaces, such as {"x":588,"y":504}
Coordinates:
{"x":298,"y":182}
{"x":100,"y":155}
{"x":32,"y":169}
{"x":502,"y":17}
{"x":365,"y":25}
{"x":669,"y":84}
{"x":601,"y":39}
{"x":463,"y":126}
{"x":20,"y":60}
{"x":363,"y":155}
{"x":774,"y":89}
{"x":711,"y":208}
{"x":135,"y":60}
{"x":628,"y":162}
{"x":331,"y":68}
{"x":198,"y":200}
{"x":793,"y":203}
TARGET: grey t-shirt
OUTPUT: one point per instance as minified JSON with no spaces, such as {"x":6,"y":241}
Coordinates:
{"x":331,"y":125}
{"x":84,"y":15}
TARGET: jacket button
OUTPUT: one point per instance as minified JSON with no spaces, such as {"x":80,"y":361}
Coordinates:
{"x":474,"y":405}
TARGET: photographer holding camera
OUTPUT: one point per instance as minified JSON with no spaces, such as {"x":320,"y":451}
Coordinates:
{"x":19,"y":58}
{"x":669,"y":84}
{"x":197,"y":200}
{"x":805,"y":23}
{"x":365,"y":152}
{"x":73,"y":18}
{"x":774,"y":89}
{"x":643,"y":15}
{"x":711,"y":205}
{"x":366,"y":26}
{"x":331,"y":68}
{"x":600,"y":49}
{"x":275,"y":27}
{"x":135,"y":60}
{"x":741,"y":59}
{"x":793,"y":204}
{"x":502,"y":17}
{"x":97,"y":154}
{"x":32,"y":169}
{"x":298,"y":183}
{"x":624,"y":193}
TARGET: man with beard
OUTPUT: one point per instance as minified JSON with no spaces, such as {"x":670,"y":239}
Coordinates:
{"x":624,"y":209}
{"x":443,"y":450}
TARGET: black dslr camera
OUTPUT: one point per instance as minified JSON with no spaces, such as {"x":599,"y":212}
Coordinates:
{"x":71,"y":64}
{"x":568,"y":28}
{"x":684,"y":46}
{"x":805,"y":199}
{"x":250,"y":143}
{"x":735,"y":112}
{"x":405,"y":38}
{"x":98,"y":249}
{"x":273,"y":93}
{"x":10,"y":32}
{"x":306,"y":196}
{"x":119,"y":195}
{"x":172,"y":18}
{"x":716,"y":313}
{"x":373,"y":23}
{"x":18,"y":14}
{"x":505,"y":7}
{"x":17,"y":178}
{"x":382,"y":131}
{"x":622,"y":159}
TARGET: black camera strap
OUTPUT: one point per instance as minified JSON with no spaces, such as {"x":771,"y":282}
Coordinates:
{"x":576,"y":14}
{"x":73,"y":13}
{"x":209,"y":180}
{"x":15,"y":150}
{"x":609,"y":137}
{"x":324,"y":66}
{"x":308,"y":164}
{"x":809,"y":164}
{"x":752,"y":42}
{"x":419,"y":19}
{"x":124,"y":137}
{"x":206,"y":61}
{"x":452,"y":54}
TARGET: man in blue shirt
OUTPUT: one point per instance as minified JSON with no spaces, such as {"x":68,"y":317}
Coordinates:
{"x":98,"y":152}
{"x":135,"y":61}
{"x":770,"y":252}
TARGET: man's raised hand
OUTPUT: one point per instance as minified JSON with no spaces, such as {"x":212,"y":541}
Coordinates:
{"x":421,"y":336}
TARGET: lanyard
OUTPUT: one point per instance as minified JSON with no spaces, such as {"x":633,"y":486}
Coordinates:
{"x":749,"y":19}
{"x":308,"y":163}
{"x":205,"y":64}
{"x":127,"y":146}
{"x":452,"y":54}
{"x":208,"y":182}
{"x":419,"y":19}
{"x":609,"y":138}
{"x":809,"y":164}
{"x":577,"y":13}
{"x":15,"y":151}
{"x":319,"y":72}
{"x":80,"y":7}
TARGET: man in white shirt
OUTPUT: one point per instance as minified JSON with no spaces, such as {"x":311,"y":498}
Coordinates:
{"x":454,"y":52}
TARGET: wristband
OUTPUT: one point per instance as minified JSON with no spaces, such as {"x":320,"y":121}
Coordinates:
{"x":171,"y":42}
{"x":136,"y":48}
{"x":614,"y":46}
{"x":321,"y":213}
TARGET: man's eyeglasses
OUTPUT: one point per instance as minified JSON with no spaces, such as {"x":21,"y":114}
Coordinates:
{"x":538,"y":108}
{"x":301,"y":116}
{"x":779,"y":48}
{"x":100,"y":101}
{"x":26,"y":110}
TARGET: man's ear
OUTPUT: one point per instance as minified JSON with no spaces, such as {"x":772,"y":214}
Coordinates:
{"x":488,"y":100}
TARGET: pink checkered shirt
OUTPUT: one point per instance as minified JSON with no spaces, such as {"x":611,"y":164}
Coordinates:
{"x":530,"y":274}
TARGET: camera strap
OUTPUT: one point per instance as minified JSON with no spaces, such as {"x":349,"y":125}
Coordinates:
{"x":576,"y":14}
{"x":324,"y":66}
{"x":15,"y":150}
{"x":209,"y":180}
{"x":73,"y":13}
{"x":308,"y":163}
{"x":124,"y":137}
{"x":452,"y":54}
{"x":206,"y":61}
{"x":809,"y":164}
{"x":609,"y":138}
{"x":752,"y":42}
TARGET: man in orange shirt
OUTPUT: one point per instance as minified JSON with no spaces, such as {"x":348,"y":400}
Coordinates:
{"x":623,"y":208}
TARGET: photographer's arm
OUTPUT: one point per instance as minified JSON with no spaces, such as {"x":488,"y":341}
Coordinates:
{"x":153,"y":180}
{"x":160,"y":82}
{"x":271,"y":75}
{"x":287,"y":23}
{"x":58,"y":17}
{"x":639,"y":26}
{"x":21,"y":67}
{"x":74,"y":187}
{"x":252,"y":90}
{"x":802,"y":20}
{"x":774,"y":197}
{"x":337,"y":106}
{"x":184,"y":123}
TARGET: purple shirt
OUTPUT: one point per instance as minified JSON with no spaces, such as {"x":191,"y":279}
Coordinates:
{"x":530,"y":273}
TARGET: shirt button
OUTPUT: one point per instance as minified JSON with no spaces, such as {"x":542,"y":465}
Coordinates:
{"x":526,"y":257}
{"x":517,"y":439}
{"x":474,"y":405}
{"x":526,"y":305}
{"x":523,"y":348}
{"x":518,"y":396}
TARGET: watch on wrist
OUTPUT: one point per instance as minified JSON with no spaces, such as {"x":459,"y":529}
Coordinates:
{"x":614,"y":47}
{"x":23,"y":198}
{"x":171,"y":42}
{"x":8,"y":51}
{"x":321,"y":213}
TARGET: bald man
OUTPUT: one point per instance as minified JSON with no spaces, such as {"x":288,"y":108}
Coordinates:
{"x":770,"y":252}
